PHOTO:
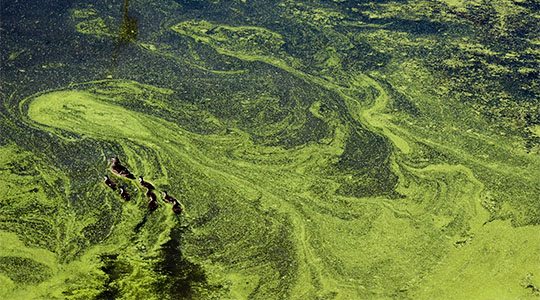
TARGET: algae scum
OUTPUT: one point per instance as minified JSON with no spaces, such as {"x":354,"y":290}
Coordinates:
{"x":321,"y":149}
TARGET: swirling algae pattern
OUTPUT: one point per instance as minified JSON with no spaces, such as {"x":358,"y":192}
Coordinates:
{"x":296,"y":185}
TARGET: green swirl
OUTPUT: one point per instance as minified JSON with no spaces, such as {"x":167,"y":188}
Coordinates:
{"x":300,"y":180}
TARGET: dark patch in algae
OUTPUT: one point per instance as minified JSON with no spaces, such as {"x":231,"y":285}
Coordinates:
{"x":184,"y":280}
{"x":115,"y":270}
{"x":24,"y":271}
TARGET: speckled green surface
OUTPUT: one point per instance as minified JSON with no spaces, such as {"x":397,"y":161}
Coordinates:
{"x":320,"y":149}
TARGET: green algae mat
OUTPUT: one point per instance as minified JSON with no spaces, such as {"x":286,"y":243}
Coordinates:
{"x":319,"y":149}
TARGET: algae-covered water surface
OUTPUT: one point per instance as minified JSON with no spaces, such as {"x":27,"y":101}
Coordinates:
{"x":317,"y":149}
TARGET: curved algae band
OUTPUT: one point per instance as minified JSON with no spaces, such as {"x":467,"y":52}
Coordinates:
{"x":273,"y":219}
{"x":84,"y":113}
{"x":304,"y":221}
{"x":104,"y":246}
{"x":80,"y":112}
{"x":286,"y":203}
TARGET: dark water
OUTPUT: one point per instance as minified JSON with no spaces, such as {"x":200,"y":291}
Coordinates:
{"x":319,"y":149}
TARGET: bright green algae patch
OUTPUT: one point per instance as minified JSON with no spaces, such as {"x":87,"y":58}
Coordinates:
{"x":333,"y":166}
{"x":77,"y":112}
{"x":268,"y":220}
{"x":506,"y":255}
{"x":83,"y":113}
{"x":50,"y":251}
{"x":248,"y":40}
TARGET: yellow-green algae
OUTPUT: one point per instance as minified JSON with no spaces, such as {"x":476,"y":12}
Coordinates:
{"x":274,"y":220}
{"x":46,"y":254}
{"x":87,"y":21}
{"x":327,"y":250}
{"x":244,"y":39}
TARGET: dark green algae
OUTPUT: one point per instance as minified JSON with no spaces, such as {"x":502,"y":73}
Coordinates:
{"x":322,"y":150}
